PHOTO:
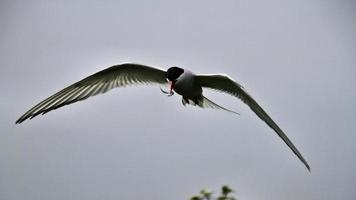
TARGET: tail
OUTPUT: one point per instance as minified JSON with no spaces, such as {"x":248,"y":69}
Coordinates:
{"x":204,"y":102}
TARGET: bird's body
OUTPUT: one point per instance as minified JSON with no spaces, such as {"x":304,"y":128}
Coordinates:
{"x":183,"y":82}
{"x":187,"y":85}
{"x":189,"y":88}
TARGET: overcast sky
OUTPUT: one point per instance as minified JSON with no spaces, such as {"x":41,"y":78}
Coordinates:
{"x":296,"y":58}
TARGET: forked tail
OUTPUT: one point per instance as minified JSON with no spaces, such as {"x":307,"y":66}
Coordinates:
{"x":204,"y":102}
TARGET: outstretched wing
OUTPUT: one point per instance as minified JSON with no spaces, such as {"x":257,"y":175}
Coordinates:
{"x":225,"y":84}
{"x":100,"y":82}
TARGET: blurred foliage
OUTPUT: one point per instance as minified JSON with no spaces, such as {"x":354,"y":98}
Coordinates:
{"x":207,"y":194}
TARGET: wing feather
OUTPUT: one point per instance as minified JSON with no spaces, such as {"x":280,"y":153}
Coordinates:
{"x":100,"y":82}
{"x":224,"y":83}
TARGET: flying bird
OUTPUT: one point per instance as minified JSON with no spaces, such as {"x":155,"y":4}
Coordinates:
{"x":181,"y":81}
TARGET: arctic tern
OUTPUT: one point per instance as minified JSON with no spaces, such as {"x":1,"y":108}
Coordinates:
{"x":181,"y":81}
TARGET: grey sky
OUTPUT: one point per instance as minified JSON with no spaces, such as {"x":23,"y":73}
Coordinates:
{"x":296,"y":58}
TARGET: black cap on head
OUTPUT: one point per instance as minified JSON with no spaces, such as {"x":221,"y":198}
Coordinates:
{"x":173,"y":73}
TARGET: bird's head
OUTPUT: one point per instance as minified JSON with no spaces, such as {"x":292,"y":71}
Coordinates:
{"x":173,"y":73}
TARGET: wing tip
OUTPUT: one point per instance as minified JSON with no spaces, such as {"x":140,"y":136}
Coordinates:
{"x":19,"y":121}
{"x":301,"y":158}
{"x":22,"y":119}
{"x":308,"y":168}
{"x":306,"y":164}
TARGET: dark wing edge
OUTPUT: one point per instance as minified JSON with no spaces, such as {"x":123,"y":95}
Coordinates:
{"x":224,"y":83}
{"x":116,"y":76}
